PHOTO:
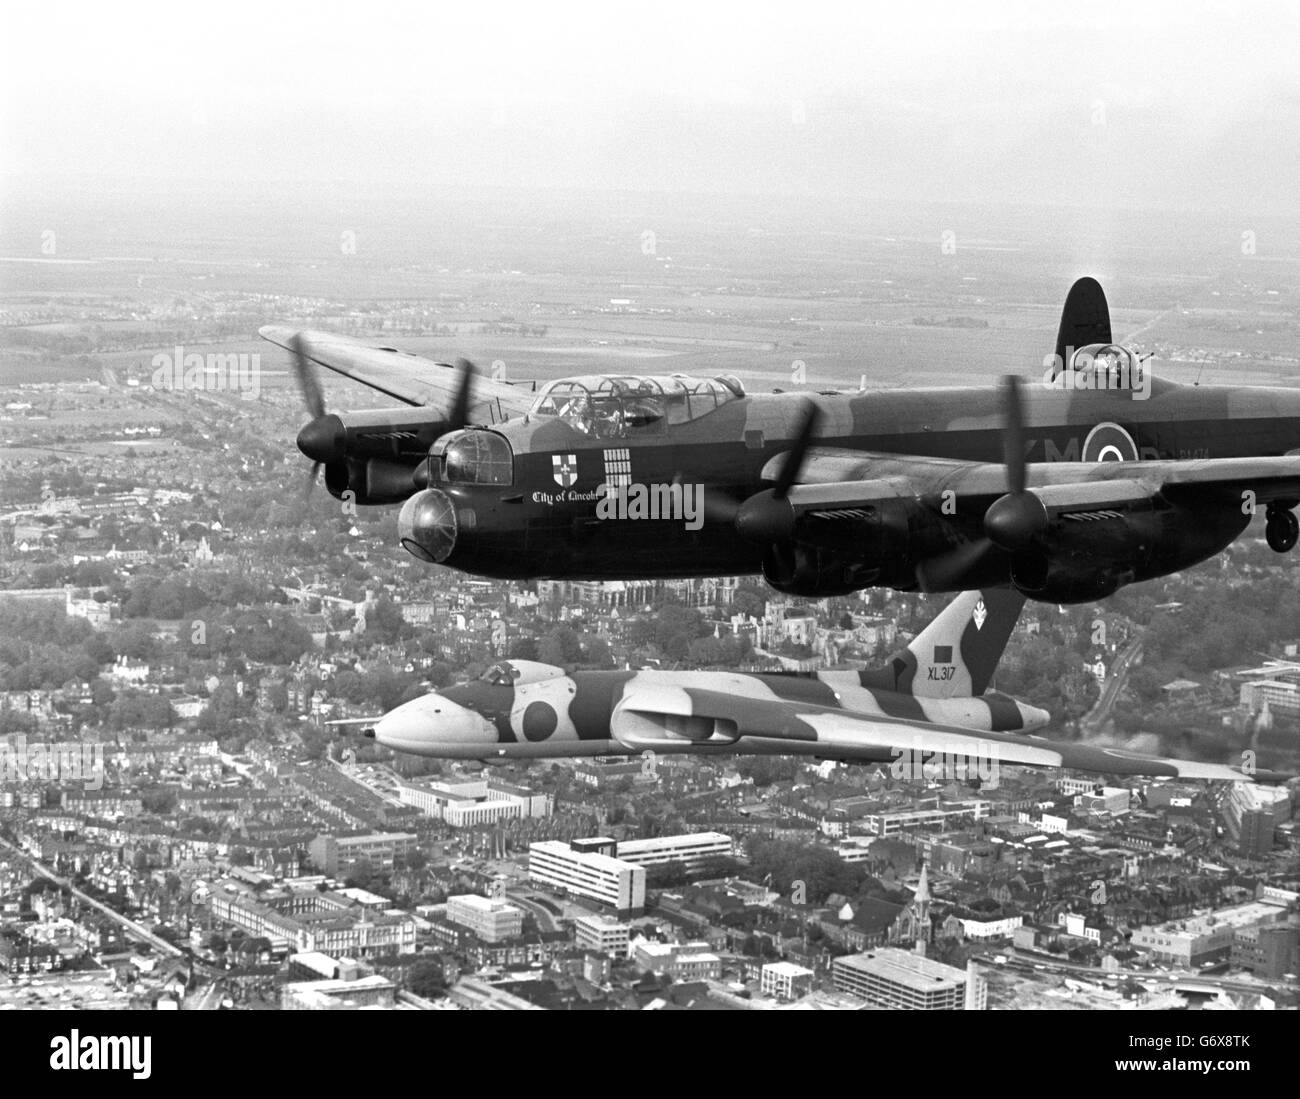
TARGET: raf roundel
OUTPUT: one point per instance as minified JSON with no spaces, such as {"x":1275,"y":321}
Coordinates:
{"x":1108,"y":442}
{"x":539,"y":721}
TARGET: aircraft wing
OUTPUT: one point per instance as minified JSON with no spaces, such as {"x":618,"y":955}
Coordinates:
{"x":406,"y":377}
{"x":833,"y":478}
{"x":671,"y":718}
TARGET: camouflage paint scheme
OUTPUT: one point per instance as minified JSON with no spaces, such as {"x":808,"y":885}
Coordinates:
{"x":516,"y":533}
{"x":930,"y":699}
{"x":894,"y":482}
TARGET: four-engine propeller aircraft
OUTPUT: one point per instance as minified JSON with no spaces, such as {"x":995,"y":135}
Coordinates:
{"x":1067,"y":490}
{"x":928,"y":707}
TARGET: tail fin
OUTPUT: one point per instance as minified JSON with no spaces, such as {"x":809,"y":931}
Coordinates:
{"x":956,"y":654}
{"x":1085,"y":319}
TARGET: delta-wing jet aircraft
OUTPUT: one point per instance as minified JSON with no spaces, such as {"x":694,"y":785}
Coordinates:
{"x":929,"y":707}
{"x":1092,"y":476}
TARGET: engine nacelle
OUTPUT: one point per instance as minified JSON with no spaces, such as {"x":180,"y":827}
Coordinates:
{"x":843,"y":550}
{"x":1086,"y":556}
{"x":659,"y":732}
{"x":370,"y":481}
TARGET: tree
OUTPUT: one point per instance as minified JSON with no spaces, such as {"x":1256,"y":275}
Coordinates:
{"x":158,"y":801}
{"x":426,"y":978}
{"x":596,"y":652}
{"x":560,"y":646}
{"x":523,"y":648}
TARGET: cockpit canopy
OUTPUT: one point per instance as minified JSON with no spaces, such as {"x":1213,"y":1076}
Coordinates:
{"x":613,"y":406}
{"x":510,"y":673}
{"x":1108,"y":366}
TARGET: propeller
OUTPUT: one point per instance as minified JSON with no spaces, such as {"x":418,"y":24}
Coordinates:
{"x":794,"y":460}
{"x":767,"y":517}
{"x":1012,"y":522}
{"x":316,"y":439}
{"x":464,"y":396}
{"x":717,"y":506}
{"x":422,"y":475}
{"x":307,"y":381}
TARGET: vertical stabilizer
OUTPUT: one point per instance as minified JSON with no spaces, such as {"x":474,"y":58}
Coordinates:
{"x":1085,"y":319}
{"x":956,"y":654}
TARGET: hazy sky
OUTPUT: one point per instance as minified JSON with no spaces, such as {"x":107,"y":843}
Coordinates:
{"x":1108,"y":103}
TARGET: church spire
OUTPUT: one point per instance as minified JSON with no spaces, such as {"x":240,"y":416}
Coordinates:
{"x":921,"y":910}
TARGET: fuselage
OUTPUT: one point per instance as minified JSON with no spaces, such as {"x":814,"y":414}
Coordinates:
{"x":539,"y":711}
{"x":523,"y":503}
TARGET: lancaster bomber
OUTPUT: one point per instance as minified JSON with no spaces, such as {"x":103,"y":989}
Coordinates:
{"x":928,"y":712}
{"x":1067,"y":487}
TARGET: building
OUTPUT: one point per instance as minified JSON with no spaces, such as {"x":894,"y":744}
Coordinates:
{"x":945,"y":816}
{"x":368,"y":991}
{"x":977,"y":988}
{"x":597,"y":876}
{"x":306,"y":921}
{"x":1255,"y":834}
{"x":602,"y":935}
{"x":785,"y":980}
{"x":982,"y":930}
{"x":490,"y":919}
{"x":1108,"y":799}
{"x":602,"y":773}
{"x":693,"y":851}
{"x":895,"y":978}
{"x":329,"y":853}
{"x":1269,"y":951}
{"x":1205,"y":938}
{"x":692,"y":961}
{"x":1278,"y":696}
{"x":466,"y":804}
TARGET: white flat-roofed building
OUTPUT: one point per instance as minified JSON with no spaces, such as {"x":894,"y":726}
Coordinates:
{"x":855,"y":848}
{"x":1197,"y":939}
{"x":890,"y":977}
{"x":467,"y":804}
{"x":490,"y":919}
{"x":692,"y":850}
{"x":681,"y":961}
{"x":368,"y":991}
{"x":785,"y":980}
{"x":990,"y":929}
{"x":946,"y":816}
{"x":1111,"y":799}
{"x":1249,"y":797}
{"x":329,"y":851}
{"x":705,"y":966}
{"x":1279,"y":696}
{"x":602,"y":935}
{"x":607,"y":880}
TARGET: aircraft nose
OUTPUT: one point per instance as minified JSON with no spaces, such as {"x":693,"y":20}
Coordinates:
{"x":435,"y":726}
{"x":323,"y":439}
{"x":427,"y":526}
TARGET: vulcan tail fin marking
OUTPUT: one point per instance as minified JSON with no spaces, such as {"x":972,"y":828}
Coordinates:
{"x":956,"y":654}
